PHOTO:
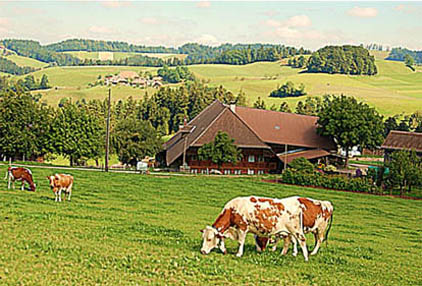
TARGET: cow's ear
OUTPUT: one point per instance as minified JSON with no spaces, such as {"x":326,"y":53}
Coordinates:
{"x":201,"y":231}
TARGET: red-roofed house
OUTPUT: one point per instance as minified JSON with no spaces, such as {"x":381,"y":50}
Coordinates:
{"x":269,"y":140}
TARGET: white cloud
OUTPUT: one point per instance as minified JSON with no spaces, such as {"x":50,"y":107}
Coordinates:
{"x":298,"y":21}
{"x":100,"y":30}
{"x":363,"y":12}
{"x":203,"y":4}
{"x":149,"y":21}
{"x":207,"y":39}
{"x":408,"y":9}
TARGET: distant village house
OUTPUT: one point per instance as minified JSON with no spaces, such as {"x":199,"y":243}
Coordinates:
{"x":131,"y":78}
{"x":401,"y":140}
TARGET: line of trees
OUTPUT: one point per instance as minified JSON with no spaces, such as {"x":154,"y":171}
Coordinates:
{"x":354,"y":60}
{"x":399,"y":54}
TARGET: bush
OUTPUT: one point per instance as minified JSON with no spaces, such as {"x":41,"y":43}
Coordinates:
{"x":302,"y":165}
{"x":315,"y":179}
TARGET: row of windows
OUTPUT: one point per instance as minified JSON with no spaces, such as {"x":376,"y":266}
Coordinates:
{"x":229,"y":172}
{"x":251,"y":158}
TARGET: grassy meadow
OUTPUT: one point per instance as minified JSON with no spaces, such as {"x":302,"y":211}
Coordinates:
{"x":395,"y":89}
{"x":122,"y":55}
{"x":24,"y":61}
{"x":127,"y":229}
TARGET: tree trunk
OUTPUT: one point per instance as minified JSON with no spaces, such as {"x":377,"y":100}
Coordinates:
{"x":71,"y":161}
{"x":347,"y":157}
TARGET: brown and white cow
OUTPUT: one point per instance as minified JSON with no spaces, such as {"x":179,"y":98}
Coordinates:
{"x":20,"y":174}
{"x":264,"y":217}
{"x":59,"y":183}
{"x":317,"y":219}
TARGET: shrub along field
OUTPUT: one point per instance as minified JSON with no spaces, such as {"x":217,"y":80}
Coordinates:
{"x":127,"y":229}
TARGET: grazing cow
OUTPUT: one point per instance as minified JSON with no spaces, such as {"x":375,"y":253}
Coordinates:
{"x":264,"y":217}
{"x":317,"y":219}
{"x":59,"y":183}
{"x":20,"y":174}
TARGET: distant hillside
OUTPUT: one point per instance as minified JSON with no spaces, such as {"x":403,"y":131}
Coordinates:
{"x":398,"y":54}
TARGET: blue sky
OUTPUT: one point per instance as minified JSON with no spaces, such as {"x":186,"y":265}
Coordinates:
{"x":308,"y":24}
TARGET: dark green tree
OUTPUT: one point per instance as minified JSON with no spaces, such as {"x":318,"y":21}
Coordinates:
{"x":405,"y":170}
{"x":221,"y":150}
{"x":259,"y":103}
{"x":44,"y":84}
{"x":133,"y":139}
{"x":409,"y":61}
{"x":350,"y":123}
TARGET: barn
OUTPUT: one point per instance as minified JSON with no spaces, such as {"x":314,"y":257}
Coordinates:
{"x":402,"y":140}
{"x":268,"y":140}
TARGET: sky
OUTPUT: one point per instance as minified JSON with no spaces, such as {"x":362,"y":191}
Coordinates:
{"x":173,"y":23}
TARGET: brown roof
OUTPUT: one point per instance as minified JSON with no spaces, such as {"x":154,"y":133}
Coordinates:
{"x":174,"y":147}
{"x":228,"y":122}
{"x":250,"y":128}
{"x":399,"y":140}
{"x":285,"y":128}
{"x":129,"y":74}
{"x":307,"y":154}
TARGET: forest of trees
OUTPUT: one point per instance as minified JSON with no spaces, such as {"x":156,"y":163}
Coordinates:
{"x":34,"y":50}
{"x":105,"y":46}
{"x":238,"y":54}
{"x":28,"y":83}
{"x":399,"y":54}
{"x":175,"y":75}
{"x":7,"y":66}
{"x":354,"y":60}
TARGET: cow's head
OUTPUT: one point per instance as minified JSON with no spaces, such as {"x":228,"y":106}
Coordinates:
{"x":211,"y":239}
{"x":51,"y":180}
{"x":32,"y":187}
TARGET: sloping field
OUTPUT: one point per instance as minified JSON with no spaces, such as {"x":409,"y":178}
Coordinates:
{"x":127,"y":229}
{"x":394,"y":90}
{"x":28,"y":62}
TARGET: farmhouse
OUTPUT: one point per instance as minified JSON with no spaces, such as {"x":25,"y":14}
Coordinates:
{"x":132,"y":78}
{"x":402,"y":140}
{"x":268,"y":140}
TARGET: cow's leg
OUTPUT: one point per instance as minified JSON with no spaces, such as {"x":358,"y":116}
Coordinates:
{"x":9,"y":182}
{"x":222,"y":246}
{"x":302,"y":242}
{"x":242,"y":238}
{"x":319,"y":237}
{"x":57,"y":196}
{"x":13,"y":184}
{"x":60,"y":194}
{"x":286,"y":244}
{"x":22,"y":186}
{"x":275,"y":241}
{"x":69,"y":191}
{"x":294,"y":240}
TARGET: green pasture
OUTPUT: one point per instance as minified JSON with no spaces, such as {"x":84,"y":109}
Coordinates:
{"x":130,"y":229}
{"x":28,"y":62}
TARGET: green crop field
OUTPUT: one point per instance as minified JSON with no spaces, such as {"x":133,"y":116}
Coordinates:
{"x":127,"y":229}
{"x":28,"y":62}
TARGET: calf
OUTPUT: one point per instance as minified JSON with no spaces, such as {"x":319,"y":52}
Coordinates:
{"x":317,"y":219}
{"x":59,"y":183}
{"x":264,"y":217}
{"x":20,"y":174}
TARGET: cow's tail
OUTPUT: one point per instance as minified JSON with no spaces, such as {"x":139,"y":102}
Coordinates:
{"x":7,"y":174}
{"x":328,"y":229}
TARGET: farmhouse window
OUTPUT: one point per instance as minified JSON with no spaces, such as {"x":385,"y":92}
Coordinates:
{"x":251,"y":158}
{"x":226,"y":172}
{"x":251,"y":172}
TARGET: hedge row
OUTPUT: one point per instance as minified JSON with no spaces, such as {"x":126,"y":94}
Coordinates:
{"x":337,"y":182}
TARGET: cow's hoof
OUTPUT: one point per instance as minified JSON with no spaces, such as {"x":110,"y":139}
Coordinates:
{"x":238,"y":255}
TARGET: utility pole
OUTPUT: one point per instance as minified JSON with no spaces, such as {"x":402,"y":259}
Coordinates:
{"x":107,"y":131}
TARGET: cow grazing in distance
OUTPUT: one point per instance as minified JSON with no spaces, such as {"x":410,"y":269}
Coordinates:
{"x":20,"y":174}
{"x":317,"y":219}
{"x":264,"y":217}
{"x":59,"y":183}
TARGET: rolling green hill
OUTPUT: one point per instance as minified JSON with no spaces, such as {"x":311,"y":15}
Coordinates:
{"x":120,"y":55}
{"x":395,"y":89}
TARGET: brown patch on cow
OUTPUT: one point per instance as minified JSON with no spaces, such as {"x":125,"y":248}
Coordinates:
{"x":229,"y":218}
{"x":263,"y":200}
{"x":279,"y":206}
{"x":311,"y":212}
{"x":253,"y":199}
{"x":267,"y":219}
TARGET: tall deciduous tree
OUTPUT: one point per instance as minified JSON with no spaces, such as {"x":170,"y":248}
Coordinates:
{"x":350,"y":123}
{"x":78,"y":133}
{"x":405,"y":170}
{"x":133,"y":139}
{"x":221,"y":150}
